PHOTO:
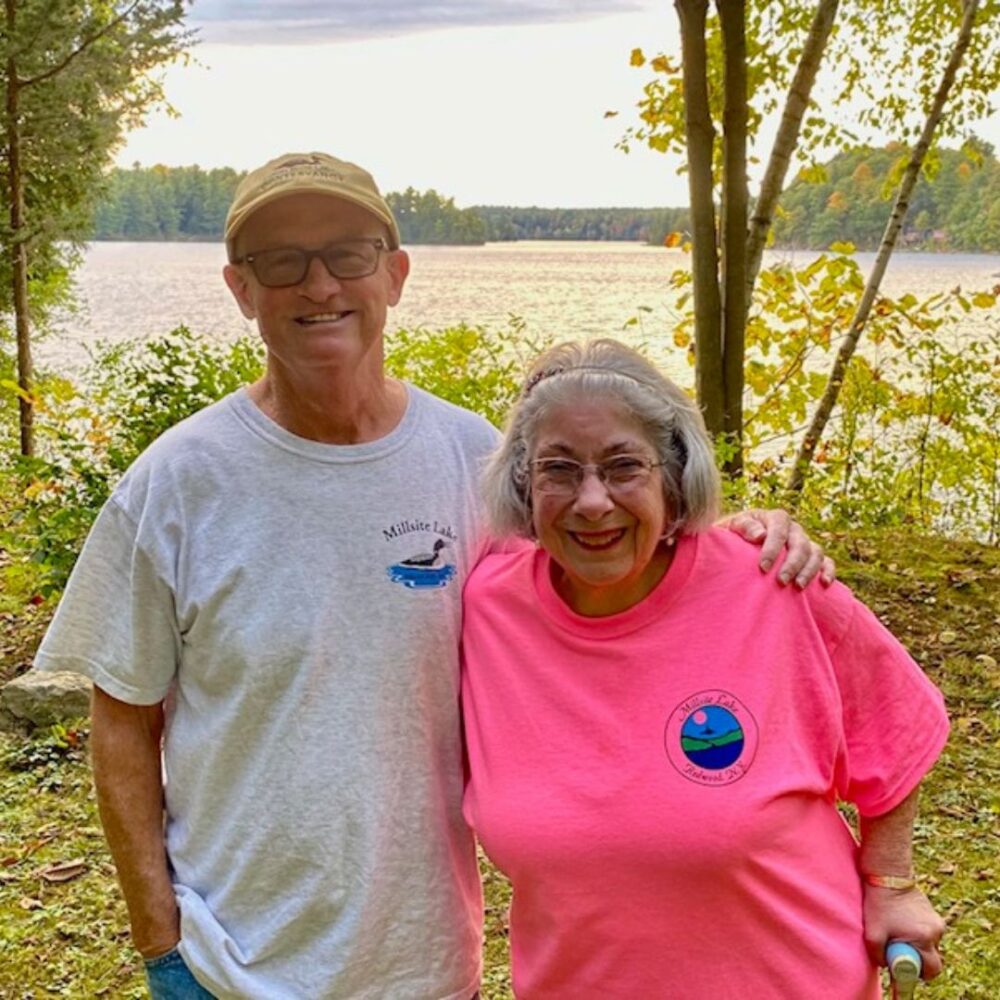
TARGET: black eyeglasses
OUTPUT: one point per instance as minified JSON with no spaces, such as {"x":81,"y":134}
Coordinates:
{"x":286,"y":266}
{"x":563,"y":477}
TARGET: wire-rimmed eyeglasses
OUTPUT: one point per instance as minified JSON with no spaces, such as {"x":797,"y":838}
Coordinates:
{"x":345,"y":259}
{"x":564,"y":476}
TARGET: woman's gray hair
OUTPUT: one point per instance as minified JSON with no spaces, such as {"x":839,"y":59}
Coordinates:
{"x":672,"y":421}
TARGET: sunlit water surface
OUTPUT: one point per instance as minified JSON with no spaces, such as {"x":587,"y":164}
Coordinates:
{"x":133,"y":291}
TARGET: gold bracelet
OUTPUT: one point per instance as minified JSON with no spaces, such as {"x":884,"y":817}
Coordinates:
{"x":890,"y":881}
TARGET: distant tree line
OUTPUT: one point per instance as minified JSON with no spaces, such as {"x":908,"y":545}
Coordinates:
{"x":843,"y":200}
{"x":957,"y":208}
{"x":427,"y":217}
{"x":189,"y":203}
{"x":643,"y":225}
{"x":165,"y":203}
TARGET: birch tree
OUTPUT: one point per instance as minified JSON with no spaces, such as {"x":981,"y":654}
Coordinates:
{"x":893,"y":228}
{"x":882,"y":65}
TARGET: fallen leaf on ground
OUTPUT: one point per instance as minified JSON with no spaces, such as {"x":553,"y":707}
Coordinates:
{"x":64,"y":871}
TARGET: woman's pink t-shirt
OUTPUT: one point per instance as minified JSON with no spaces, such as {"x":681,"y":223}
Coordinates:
{"x":660,"y":785}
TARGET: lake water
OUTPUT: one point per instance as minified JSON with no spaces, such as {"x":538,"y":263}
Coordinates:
{"x":133,"y":291}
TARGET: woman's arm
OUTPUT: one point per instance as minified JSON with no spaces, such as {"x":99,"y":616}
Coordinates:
{"x":893,"y":913}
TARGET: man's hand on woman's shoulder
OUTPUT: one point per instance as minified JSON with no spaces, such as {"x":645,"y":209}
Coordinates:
{"x":773,"y":530}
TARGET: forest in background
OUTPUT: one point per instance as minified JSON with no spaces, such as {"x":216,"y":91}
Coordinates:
{"x":956,"y":207}
{"x":188,"y":203}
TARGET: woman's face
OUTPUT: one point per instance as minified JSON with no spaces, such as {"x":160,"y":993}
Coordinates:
{"x":606,"y":543}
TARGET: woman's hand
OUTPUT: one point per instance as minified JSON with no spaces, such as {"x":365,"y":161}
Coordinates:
{"x":902,"y":915}
{"x":773,"y":530}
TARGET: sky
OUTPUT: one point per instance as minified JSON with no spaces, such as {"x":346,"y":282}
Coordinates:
{"x":496,"y":102}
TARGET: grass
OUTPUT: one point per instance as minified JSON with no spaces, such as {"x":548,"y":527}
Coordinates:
{"x":942,"y":599}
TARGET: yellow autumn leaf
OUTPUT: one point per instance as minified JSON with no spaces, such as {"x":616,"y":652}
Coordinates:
{"x":662,"y":65}
{"x":682,"y":338}
{"x":35,"y":489}
{"x":984,"y":300}
{"x":672,"y":240}
{"x":637,"y":58}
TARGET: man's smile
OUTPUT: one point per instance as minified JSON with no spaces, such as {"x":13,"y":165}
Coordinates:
{"x":328,"y":317}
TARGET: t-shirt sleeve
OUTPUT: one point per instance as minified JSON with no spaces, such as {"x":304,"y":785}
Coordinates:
{"x":894,"y":719}
{"x":115,"y":622}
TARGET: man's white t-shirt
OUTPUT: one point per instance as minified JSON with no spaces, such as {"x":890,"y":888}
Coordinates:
{"x":299,"y":605}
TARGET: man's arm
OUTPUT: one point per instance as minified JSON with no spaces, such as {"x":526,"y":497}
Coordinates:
{"x":125,"y":753}
{"x":773,"y":530}
{"x":897,"y":914}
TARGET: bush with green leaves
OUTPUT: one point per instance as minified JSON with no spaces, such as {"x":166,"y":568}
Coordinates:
{"x":916,"y":434}
{"x":150,"y":386}
{"x":88,"y":436}
{"x":472,"y":366}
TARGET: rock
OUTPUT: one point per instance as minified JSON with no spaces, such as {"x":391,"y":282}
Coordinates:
{"x":43,"y":699}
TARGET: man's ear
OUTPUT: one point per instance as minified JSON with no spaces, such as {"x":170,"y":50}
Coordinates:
{"x":237,"y":281}
{"x":398,"y":266}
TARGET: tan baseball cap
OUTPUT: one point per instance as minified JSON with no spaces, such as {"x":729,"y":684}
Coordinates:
{"x":307,"y":173}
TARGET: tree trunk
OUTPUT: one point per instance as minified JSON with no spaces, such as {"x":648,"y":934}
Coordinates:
{"x":787,"y":138}
{"x":19,"y":264}
{"x":735,"y":198}
{"x":705,"y":262}
{"x":808,"y":448}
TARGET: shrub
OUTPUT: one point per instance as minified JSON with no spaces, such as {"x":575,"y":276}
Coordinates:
{"x":470,"y":366}
{"x":88,"y":437}
{"x":148,"y":387}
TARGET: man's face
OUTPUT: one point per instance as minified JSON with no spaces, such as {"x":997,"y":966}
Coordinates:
{"x":322,"y":321}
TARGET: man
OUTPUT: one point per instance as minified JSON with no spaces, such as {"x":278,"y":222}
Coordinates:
{"x":272,"y":595}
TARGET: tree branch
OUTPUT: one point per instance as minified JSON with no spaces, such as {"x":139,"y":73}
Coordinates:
{"x":806,"y":451}
{"x":84,"y":45}
{"x":786,"y":140}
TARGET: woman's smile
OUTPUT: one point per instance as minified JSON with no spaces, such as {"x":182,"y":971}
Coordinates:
{"x":598,"y":541}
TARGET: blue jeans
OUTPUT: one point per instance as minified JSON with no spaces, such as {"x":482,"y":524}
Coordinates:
{"x":170,"y":979}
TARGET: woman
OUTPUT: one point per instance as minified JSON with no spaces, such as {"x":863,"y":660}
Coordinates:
{"x":658,"y":734}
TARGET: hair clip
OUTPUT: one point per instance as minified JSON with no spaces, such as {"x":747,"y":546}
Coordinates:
{"x":538,"y":376}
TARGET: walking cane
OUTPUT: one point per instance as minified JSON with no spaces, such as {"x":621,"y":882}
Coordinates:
{"x":904,"y":968}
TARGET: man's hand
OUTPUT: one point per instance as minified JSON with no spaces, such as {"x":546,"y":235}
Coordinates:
{"x":773,"y":530}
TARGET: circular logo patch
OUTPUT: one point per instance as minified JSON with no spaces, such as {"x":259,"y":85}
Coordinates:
{"x":711,"y":738}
